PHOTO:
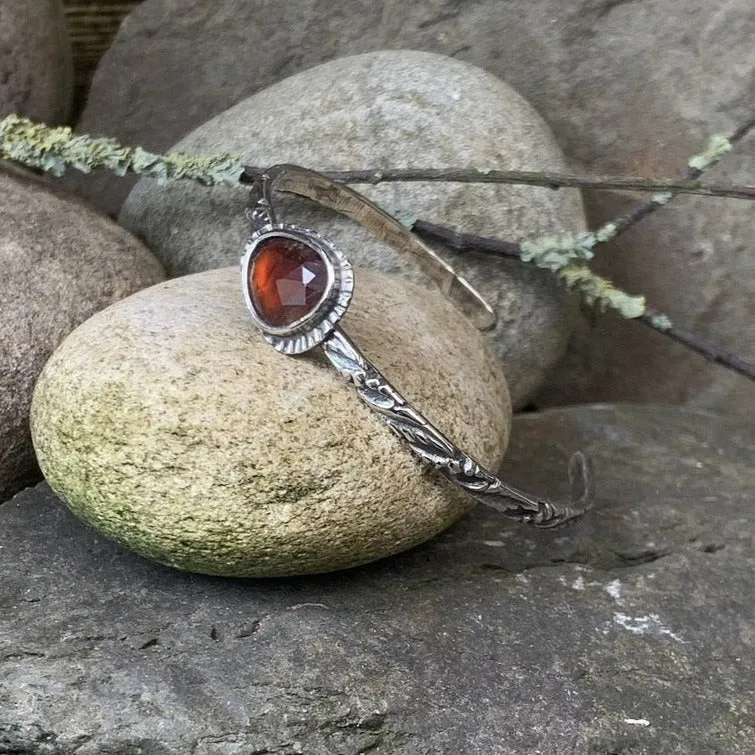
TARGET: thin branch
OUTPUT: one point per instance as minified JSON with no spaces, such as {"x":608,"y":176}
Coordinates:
{"x":696,"y":167}
{"x":548,"y":179}
{"x":55,"y":149}
{"x":712,"y":353}
{"x":743,"y":131}
{"x":460,"y":241}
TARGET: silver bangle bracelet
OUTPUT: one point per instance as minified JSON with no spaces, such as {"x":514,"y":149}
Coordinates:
{"x":298,"y":286}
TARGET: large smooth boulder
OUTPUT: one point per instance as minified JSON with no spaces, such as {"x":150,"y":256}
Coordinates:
{"x":628,"y":87}
{"x":62,"y":261}
{"x":380,"y":110}
{"x":169,"y":424}
{"x":36,"y":69}
{"x":631,"y":632}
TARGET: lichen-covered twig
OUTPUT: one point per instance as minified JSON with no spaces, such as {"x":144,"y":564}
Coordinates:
{"x":595,"y":290}
{"x":548,"y":179}
{"x":557,"y":254}
{"x":600,"y":293}
{"x":582,"y":246}
{"x":55,"y":149}
{"x":698,"y":164}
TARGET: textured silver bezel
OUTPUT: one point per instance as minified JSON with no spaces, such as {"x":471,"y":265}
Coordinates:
{"x":312,"y":329}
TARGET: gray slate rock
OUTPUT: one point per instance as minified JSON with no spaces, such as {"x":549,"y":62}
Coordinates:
{"x":36,"y":68}
{"x":628,"y":87}
{"x":393,"y":108}
{"x":627,"y":633}
{"x":61,"y":262}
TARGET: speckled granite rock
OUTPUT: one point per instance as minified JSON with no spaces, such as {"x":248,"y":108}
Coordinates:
{"x":389,"y":109}
{"x":61,"y":262}
{"x":169,"y":424}
{"x":628,"y":87}
{"x":36,"y":72}
{"x":629,"y":633}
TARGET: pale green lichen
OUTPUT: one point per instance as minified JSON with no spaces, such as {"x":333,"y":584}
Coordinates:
{"x":556,"y":252}
{"x":605,"y":232}
{"x":663,"y":197}
{"x":55,"y":149}
{"x":661,"y":322}
{"x":716,"y":148}
{"x":601,"y":293}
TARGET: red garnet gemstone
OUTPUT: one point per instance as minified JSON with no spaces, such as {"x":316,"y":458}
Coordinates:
{"x":287,"y":280}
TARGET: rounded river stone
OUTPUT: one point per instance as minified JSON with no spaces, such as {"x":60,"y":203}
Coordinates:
{"x":36,"y":69}
{"x":630,"y":632}
{"x":169,"y":424}
{"x":389,"y":109}
{"x":61,"y":262}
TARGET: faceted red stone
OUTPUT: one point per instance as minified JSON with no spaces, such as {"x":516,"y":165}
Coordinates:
{"x":287,"y":280}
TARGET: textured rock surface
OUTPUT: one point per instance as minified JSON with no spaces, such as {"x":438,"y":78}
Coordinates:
{"x":379,"y":110}
{"x":629,"y":633}
{"x":169,"y":424}
{"x":628,"y":87}
{"x":61,"y":262}
{"x":36,"y":74}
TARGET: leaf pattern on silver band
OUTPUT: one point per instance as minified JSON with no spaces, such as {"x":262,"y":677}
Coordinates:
{"x":432,"y":446}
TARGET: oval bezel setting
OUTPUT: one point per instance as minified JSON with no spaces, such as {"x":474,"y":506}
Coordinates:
{"x":311,"y":329}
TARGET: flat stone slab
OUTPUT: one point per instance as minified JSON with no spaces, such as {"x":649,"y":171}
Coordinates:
{"x":627,"y":633}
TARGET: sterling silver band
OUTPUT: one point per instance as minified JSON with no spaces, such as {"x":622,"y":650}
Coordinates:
{"x":320,"y":327}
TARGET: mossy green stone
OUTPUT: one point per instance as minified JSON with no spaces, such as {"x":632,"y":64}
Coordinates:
{"x":168,"y":424}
